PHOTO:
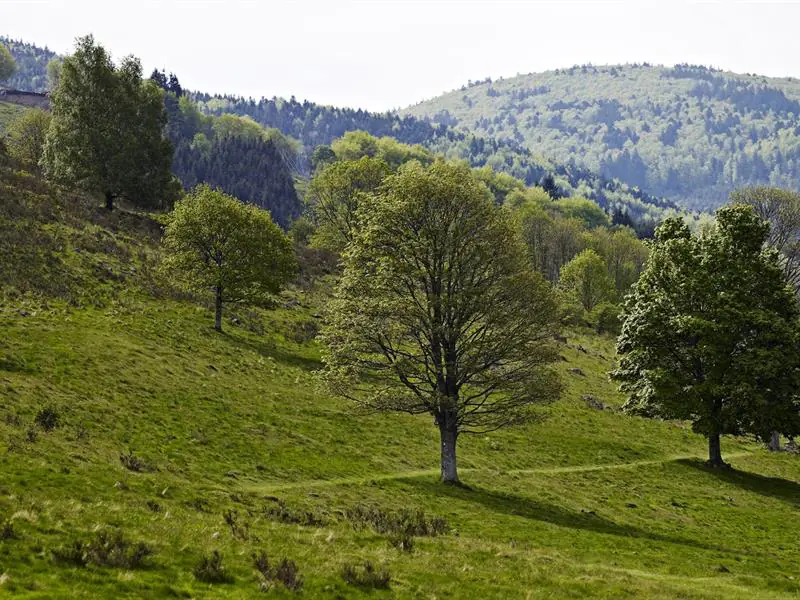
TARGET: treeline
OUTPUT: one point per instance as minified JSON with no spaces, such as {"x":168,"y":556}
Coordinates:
{"x":571,"y":242}
{"x":32,"y":61}
{"x":314,"y":125}
{"x":232,"y":153}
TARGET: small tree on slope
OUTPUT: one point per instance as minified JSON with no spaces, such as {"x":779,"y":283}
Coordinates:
{"x":216,"y":243}
{"x":710,"y":332}
{"x":439,"y":312}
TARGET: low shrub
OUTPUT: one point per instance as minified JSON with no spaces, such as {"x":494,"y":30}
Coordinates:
{"x":366,"y":575}
{"x":210,"y":570}
{"x":403,"y":522}
{"x":47,"y":418}
{"x":109,"y":548}
{"x":280,"y":512}
{"x":285,"y":573}
{"x":133,"y":463}
{"x":238,"y":530}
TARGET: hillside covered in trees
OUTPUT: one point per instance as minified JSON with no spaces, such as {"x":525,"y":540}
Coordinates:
{"x":314,"y":124}
{"x":688,"y":133}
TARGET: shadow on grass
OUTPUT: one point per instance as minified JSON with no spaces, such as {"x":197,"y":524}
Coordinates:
{"x":268,"y":347}
{"x":774,"y":487}
{"x":528,"y":508}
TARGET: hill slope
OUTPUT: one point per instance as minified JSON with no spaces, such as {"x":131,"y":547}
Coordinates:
{"x":688,"y":133}
{"x":189,"y":441}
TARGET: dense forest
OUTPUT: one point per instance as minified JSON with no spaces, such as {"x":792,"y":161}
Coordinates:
{"x":32,"y":60}
{"x":689,"y":133}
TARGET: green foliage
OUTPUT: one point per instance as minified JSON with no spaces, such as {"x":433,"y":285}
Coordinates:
{"x":26,"y":135}
{"x":53,"y":73}
{"x":586,"y":278}
{"x":8,"y":65}
{"x":106,"y":132}
{"x":437,"y":310}
{"x":583,"y":210}
{"x":605,"y":318}
{"x":335,"y":194}
{"x":215,"y":243}
{"x":711,"y":332}
{"x":354,"y":145}
{"x":691,"y":134}
{"x":31,"y":62}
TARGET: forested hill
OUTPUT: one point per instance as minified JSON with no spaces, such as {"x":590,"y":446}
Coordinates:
{"x":314,"y":124}
{"x":688,"y":133}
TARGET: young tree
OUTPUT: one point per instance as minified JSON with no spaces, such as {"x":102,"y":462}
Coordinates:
{"x":438,"y":310}
{"x":710,"y":332}
{"x":8,"y":65}
{"x":216,"y":243}
{"x":107,"y":130}
{"x":586,"y":277}
{"x":26,"y":135}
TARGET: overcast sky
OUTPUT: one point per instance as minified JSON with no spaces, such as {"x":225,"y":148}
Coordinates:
{"x":384,"y":54}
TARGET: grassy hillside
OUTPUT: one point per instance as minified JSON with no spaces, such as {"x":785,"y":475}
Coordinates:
{"x":688,"y":133}
{"x":189,"y":441}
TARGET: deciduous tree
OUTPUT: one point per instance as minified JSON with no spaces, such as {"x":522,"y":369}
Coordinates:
{"x":439,"y":312}
{"x":216,"y":243}
{"x":586,"y":278}
{"x":710,"y":332}
{"x":7,"y":64}
{"x":26,"y":135}
{"x":107,"y":129}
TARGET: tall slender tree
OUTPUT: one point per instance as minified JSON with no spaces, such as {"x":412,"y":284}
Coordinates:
{"x":106,"y":133}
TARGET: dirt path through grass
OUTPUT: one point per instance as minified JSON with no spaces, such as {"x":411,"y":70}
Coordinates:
{"x":271,"y":488}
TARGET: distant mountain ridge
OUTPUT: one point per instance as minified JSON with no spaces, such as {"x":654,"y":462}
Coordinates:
{"x":314,"y":124}
{"x":689,"y":133}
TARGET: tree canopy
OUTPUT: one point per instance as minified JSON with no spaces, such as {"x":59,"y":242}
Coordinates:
{"x":438,"y":310}
{"x":8,"y":66}
{"x":710,"y":332}
{"x":106,"y":133}
{"x":215,"y":243}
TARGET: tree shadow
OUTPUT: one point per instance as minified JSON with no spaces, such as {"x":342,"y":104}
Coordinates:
{"x":774,"y":487}
{"x":528,"y":508}
{"x":269,"y":348}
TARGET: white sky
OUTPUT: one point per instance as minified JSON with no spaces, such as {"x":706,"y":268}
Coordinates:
{"x":384,"y":54}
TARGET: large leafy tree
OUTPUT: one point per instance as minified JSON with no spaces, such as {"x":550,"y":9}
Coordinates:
{"x":438,"y":310}
{"x":7,"y":64}
{"x":711,"y":332}
{"x":107,"y":129}
{"x":216,"y":243}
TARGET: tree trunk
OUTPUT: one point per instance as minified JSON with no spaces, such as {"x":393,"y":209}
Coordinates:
{"x":449,"y":468}
{"x":218,"y":309}
{"x":775,"y":442}
{"x":109,"y":201}
{"x":714,"y":451}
